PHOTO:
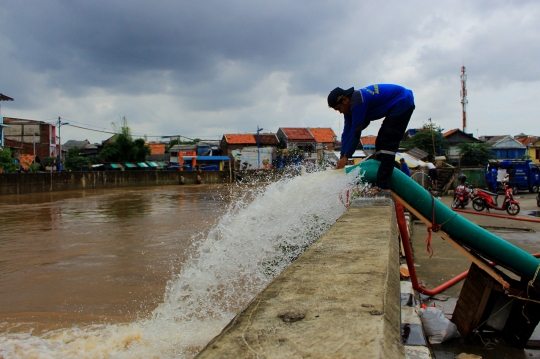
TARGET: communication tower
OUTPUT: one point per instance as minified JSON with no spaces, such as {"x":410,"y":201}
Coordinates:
{"x":464,"y":100}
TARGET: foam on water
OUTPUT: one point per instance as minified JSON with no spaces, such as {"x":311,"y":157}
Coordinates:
{"x":257,"y":237}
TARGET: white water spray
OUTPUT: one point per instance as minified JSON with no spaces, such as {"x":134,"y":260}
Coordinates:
{"x":251,"y":244}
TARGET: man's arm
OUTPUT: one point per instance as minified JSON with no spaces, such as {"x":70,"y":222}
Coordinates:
{"x":346,"y":129}
{"x":351,"y":138}
{"x":341,"y":163}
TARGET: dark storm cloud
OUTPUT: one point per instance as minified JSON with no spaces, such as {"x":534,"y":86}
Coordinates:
{"x":103,"y":43}
{"x":217,"y":65}
{"x":182,"y":47}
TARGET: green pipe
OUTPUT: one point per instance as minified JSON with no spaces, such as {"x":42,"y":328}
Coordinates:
{"x":460,"y":229}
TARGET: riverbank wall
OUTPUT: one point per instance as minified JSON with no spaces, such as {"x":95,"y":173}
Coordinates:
{"x":340,"y":299}
{"x":21,"y":183}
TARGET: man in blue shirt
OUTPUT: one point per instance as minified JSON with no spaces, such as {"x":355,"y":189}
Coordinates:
{"x":404,"y":167}
{"x":393,"y":102}
{"x":495,"y":174}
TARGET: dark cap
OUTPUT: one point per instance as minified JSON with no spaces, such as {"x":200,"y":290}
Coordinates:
{"x":337,"y":94}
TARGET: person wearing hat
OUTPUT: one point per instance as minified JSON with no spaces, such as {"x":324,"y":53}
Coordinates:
{"x":359,"y":107}
{"x":404,"y":167}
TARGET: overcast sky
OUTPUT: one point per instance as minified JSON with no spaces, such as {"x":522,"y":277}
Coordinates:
{"x":209,"y":67}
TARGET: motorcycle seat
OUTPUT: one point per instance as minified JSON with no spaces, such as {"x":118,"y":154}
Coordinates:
{"x":491,"y":193}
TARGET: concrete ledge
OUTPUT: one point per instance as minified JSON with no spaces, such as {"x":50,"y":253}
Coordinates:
{"x":340,"y":299}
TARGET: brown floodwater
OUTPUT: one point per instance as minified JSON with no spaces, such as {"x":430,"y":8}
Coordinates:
{"x":98,"y":256}
{"x":148,"y":272}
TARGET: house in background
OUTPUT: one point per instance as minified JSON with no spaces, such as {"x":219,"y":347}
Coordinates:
{"x":3,"y":98}
{"x":247,"y":150}
{"x":532,"y":143}
{"x":157,"y":152}
{"x":535,"y":146}
{"x":368,"y":144}
{"x":232,"y":142}
{"x":177,"y":152}
{"x":325,"y":138}
{"x":81,"y":145}
{"x":505,"y":147}
{"x":298,"y":137}
{"x":157,"y":148}
{"x":209,"y":148}
{"x":26,"y":136}
{"x":204,"y":155}
{"x":454,"y":138}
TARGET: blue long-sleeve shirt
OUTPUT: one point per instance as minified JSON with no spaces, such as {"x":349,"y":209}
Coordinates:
{"x":405,"y":169}
{"x":372,"y":103}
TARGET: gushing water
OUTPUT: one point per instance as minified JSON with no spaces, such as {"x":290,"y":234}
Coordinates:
{"x":259,"y":235}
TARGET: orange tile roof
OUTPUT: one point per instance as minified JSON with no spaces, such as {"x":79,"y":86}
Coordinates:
{"x":245,"y":139}
{"x":451,"y":132}
{"x":527,"y":141}
{"x":268,"y":138}
{"x":297,"y":134}
{"x":368,"y":140}
{"x":323,"y":135}
{"x":156,"y":148}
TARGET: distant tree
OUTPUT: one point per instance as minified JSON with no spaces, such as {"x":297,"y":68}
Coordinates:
{"x":6,"y":161}
{"x":74,"y":161}
{"x":124,"y":148}
{"x":48,"y":161}
{"x":171,"y":144}
{"x":474,"y":153}
{"x":428,"y":141}
{"x":33,"y":167}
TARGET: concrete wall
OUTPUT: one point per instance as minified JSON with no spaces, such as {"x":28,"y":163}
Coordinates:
{"x":340,"y":299}
{"x":19,"y":183}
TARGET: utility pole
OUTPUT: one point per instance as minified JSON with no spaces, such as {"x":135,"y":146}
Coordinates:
{"x":60,"y":123}
{"x":432,"y":136}
{"x":464,"y":100}
{"x":34,"y":139}
{"x":259,"y":147}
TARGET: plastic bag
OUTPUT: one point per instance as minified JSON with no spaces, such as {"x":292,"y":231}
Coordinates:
{"x":436,"y":326}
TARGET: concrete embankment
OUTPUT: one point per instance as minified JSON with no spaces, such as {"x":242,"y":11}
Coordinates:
{"x":340,"y":299}
{"x":20,"y":183}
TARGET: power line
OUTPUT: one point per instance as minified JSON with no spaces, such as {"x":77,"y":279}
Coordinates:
{"x":90,"y":129}
{"x":117,"y":133}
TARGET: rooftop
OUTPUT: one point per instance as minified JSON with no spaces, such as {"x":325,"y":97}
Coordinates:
{"x":244,"y":139}
{"x":297,"y":134}
{"x":323,"y":135}
{"x":368,"y":140}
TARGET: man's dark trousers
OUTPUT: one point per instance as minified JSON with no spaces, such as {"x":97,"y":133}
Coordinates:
{"x":387,"y":144}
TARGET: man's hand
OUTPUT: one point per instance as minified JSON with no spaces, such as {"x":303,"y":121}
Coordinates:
{"x":342,"y":162}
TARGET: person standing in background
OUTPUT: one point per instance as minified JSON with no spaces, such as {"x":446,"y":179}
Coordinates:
{"x":404,"y":167}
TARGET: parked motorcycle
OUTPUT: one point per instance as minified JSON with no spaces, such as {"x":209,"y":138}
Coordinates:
{"x":462,"y":194}
{"x":484,"y":199}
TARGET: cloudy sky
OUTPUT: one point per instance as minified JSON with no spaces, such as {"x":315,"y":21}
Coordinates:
{"x":204,"y":68}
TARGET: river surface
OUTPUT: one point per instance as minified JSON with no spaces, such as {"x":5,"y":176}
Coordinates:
{"x":152,"y":272}
{"x":97,"y":256}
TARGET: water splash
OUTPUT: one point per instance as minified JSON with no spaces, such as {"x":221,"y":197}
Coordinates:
{"x":261,"y":233}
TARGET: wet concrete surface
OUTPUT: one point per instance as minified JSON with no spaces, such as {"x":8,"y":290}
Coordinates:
{"x":447,"y":262}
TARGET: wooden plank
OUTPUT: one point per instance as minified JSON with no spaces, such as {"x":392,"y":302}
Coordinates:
{"x":479,"y":262}
{"x":473,"y":301}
